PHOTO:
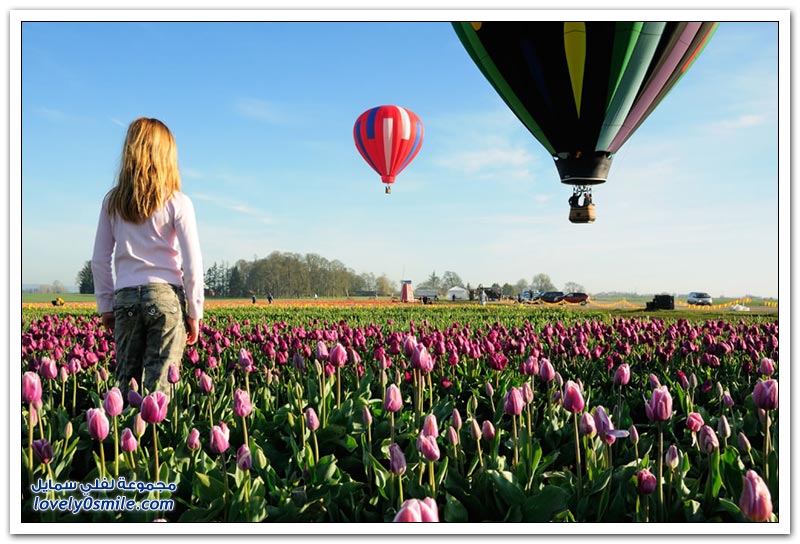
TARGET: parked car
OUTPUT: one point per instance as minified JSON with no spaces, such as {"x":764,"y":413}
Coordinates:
{"x":530,"y":295}
{"x":576,"y":298}
{"x":699,"y":298}
{"x":552,"y":296}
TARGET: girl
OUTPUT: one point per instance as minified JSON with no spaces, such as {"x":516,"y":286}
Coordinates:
{"x":155,"y":306}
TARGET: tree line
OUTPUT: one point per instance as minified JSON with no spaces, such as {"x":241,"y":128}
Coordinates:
{"x":291,"y":275}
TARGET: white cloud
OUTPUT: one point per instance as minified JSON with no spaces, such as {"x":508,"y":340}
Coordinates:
{"x":743,"y":121}
{"x":118,"y":122}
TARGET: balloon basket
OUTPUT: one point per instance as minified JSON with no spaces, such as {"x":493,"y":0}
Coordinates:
{"x":388,"y":189}
{"x":582,"y":214}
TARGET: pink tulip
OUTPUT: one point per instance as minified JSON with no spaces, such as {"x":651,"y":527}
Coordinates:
{"x":31,"y":387}
{"x":654,"y":381}
{"x":242,"y":406}
{"x":546,"y":370}
{"x":429,"y":426}
{"x":514,"y":402}
{"x":394,"y":400}
{"x":366,"y":415}
{"x":206,"y":383}
{"x":113,"y":402}
{"x":245,"y":360}
{"x":322,"y":351}
{"x":416,"y":510}
{"x":421,"y":359}
{"x":97,"y":423}
{"x":43,"y":450}
{"x":48,"y":368}
{"x":428,"y":447}
{"x":193,"y":442}
{"x":409,"y":343}
{"x":765,"y":394}
{"x":219,"y":438}
{"x":755,"y":501}
{"x":243,"y":458}
{"x":623,"y":374}
{"x":767,"y":367}
{"x":337,"y":355}
{"x":452,"y":435}
{"x":694,"y":422}
{"x":527,"y":392}
{"x":647,"y":481}
{"x":397,"y":460}
{"x":154,"y":407}
{"x":659,"y":407}
{"x":456,"y":419}
{"x":586,"y":425}
{"x":312,"y":421}
{"x":127,"y":441}
{"x":672,"y":457}
{"x":573,"y":399}
{"x":475,"y":430}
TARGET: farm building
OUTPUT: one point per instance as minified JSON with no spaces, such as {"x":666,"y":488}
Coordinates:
{"x":457,"y":293}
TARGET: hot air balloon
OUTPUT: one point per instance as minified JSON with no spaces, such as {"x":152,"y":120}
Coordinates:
{"x":388,"y":137}
{"x":583,"y":88}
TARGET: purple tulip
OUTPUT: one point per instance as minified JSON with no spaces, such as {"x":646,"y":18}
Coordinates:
{"x":245,"y":360}
{"x":243,"y":458}
{"x":416,"y":510}
{"x":409,"y":343}
{"x":421,"y":359}
{"x":767,"y":367}
{"x":755,"y":501}
{"x":573,"y":398}
{"x":708,"y":439}
{"x":97,"y":423}
{"x":43,"y":450}
{"x":134,"y":398}
{"x":456,"y":419}
{"x":659,"y":407}
{"x":527,"y":392}
{"x":193,"y":442}
{"x":727,"y":399}
{"x":546,"y":370}
{"x":127,"y":441}
{"x":672,"y":457}
{"x":219,"y":438}
{"x":48,"y":368}
{"x":605,"y":429}
{"x":322,"y":351}
{"x":765,"y":394}
{"x":653,"y":381}
{"x":206,"y":383}
{"x":633,"y":433}
{"x":586,"y":425}
{"x":514,"y":402}
{"x":312,"y":421}
{"x":173,"y":374}
{"x":113,"y":402}
{"x":242,"y":406}
{"x":394,"y":400}
{"x":397,"y":460}
{"x":427,"y":445}
{"x":154,"y":407}
{"x":647,"y":481}
{"x":31,"y":387}
{"x":623,"y":374}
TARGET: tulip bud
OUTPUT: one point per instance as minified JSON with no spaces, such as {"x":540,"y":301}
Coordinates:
{"x":397,"y":460}
{"x":139,"y":425}
{"x":113,"y":402}
{"x":206,"y":383}
{"x":647,"y":481}
{"x":430,"y":426}
{"x":97,"y":423}
{"x":727,"y":399}
{"x":243,"y":458}
{"x":393,"y":400}
{"x":456,"y":419}
{"x":242,"y":406}
{"x":193,"y":442}
{"x":68,"y":430}
{"x":154,"y":407}
{"x":173,"y":374}
{"x":452,"y":435}
{"x":672,"y":457}
{"x":723,"y":428}
{"x":755,"y":501}
{"x":475,"y":430}
{"x":488,"y":430}
{"x":312,"y":421}
{"x":586,"y":425}
{"x":489,"y":390}
{"x":428,"y":447}
{"x":744,"y":443}
{"x":133,"y":385}
{"x":366,"y":415}
{"x":654,"y":382}
{"x":527,"y":392}
{"x":767,"y":367}
{"x":623,"y":374}
{"x":127,"y":441}
{"x":513,"y":402}
{"x":633,"y":434}
{"x":708,"y":440}
{"x":573,"y":399}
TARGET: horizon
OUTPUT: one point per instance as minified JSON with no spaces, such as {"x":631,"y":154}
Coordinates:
{"x":263,"y":116}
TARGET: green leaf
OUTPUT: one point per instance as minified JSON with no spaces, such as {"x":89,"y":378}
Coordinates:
{"x":454,"y":511}
{"x":542,"y":506}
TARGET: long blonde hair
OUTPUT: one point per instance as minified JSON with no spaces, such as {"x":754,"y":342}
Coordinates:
{"x":148,"y":174}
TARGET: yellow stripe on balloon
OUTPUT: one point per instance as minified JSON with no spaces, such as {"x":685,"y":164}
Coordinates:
{"x":575,"y":49}
{"x":477,"y":26}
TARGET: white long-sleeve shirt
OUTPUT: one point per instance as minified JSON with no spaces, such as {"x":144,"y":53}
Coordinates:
{"x":146,"y":253}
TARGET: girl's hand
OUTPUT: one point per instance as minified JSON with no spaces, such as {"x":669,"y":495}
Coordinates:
{"x":108,"y":320}
{"x":192,"y":330}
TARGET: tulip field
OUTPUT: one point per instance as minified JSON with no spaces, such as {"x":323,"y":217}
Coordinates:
{"x":466,"y":413}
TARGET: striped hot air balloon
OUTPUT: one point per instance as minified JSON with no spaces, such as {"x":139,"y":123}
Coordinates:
{"x":583,"y":88}
{"x":388,"y":137}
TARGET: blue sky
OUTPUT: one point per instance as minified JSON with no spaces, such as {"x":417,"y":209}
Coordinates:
{"x":263,"y":115}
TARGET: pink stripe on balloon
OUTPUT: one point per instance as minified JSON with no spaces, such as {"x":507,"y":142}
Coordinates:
{"x":388,"y":123}
{"x":655,"y":86}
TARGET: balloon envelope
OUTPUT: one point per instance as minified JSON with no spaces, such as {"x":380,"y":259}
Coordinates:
{"x":388,"y":138}
{"x":582,"y":88}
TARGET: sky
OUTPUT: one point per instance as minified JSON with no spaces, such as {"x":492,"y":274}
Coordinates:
{"x":263,"y":115}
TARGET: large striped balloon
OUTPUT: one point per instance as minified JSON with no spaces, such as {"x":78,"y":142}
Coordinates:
{"x":582,"y":88}
{"x":388,"y":137}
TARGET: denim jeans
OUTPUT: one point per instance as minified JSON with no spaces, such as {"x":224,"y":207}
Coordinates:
{"x":149,"y":333}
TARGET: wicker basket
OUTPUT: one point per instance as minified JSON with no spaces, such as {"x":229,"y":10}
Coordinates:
{"x":581,"y":214}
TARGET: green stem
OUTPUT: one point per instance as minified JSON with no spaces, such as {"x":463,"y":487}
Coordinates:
{"x":338,"y":387}
{"x":578,"y":455}
{"x":155,"y":452}
{"x":30,"y":441}
{"x":116,"y":449}
{"x":660,"y":471}
{"x":432,"y":478}
{"x":102,"y":460}
{"x":766,"y":445}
